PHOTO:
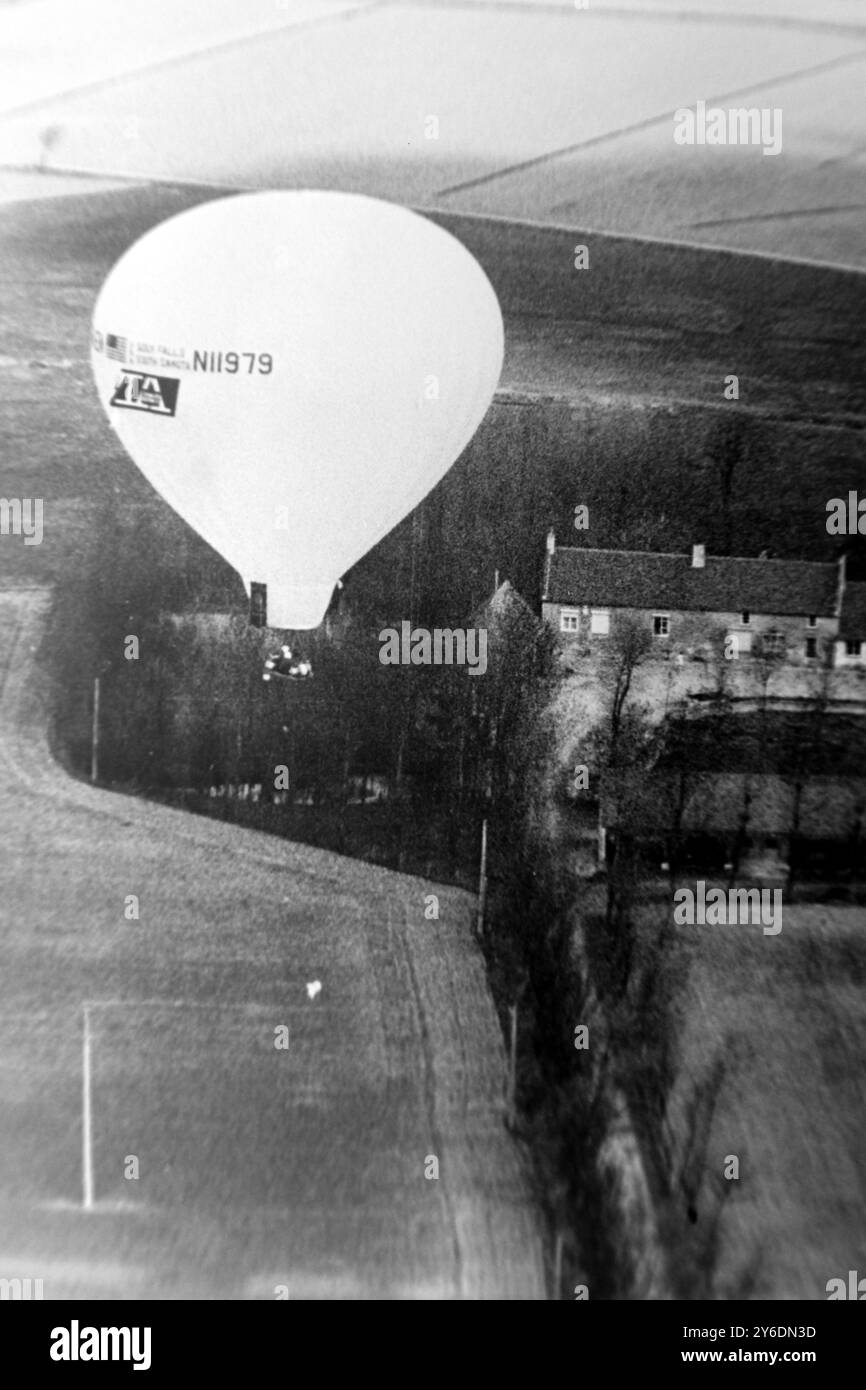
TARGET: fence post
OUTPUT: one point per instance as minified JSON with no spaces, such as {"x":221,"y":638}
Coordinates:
{"x":482,"y":882}
{"x":94,"y":733}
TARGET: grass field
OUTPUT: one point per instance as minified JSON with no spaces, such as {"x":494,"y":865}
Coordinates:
{"x":786,"y":1015}
{"x":770,"y":1040}
{"x":556,"y":112}
{"x":302,"y":1166}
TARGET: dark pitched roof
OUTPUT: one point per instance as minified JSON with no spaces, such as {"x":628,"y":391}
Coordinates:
{"x":503,"y":602}
{"x":852,"y":624}
{"x":641,"y":579}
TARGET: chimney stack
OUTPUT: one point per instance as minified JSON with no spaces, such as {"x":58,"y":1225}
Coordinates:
{"x":841,"y":583}
{"x":699,"y":557}
{"x":550,"y":548}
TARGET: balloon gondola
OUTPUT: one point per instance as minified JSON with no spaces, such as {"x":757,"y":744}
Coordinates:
{"x":293,"y":372}
{"x":286,"y":665}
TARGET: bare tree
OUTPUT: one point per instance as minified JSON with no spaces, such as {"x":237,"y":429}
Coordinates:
{"x":626,"y":649}
{"x":806,"y":746}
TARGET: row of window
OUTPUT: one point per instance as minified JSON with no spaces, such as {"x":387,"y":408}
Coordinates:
{"x":773,"y":643}
{"x":600,"y":621}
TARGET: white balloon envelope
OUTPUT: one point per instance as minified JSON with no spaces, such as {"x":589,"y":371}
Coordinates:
{"x":293,"y":372}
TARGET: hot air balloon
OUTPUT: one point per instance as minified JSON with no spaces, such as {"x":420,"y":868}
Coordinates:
{"x":293,"y":372}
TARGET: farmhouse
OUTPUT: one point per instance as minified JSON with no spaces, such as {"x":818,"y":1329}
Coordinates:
{"x":796,"y":611}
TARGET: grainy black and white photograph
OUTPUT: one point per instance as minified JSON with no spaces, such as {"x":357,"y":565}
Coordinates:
{"x":433,"y":660}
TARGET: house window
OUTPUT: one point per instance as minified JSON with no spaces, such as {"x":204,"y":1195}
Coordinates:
{"x":811,"y":648}
{"x":599,"y":622}
{"x":852,"y":648}
{"x":569,"y":620}
{"x":812,"y":620}
{"x":745,"y":617}
{"x":773,"y":643}
{"x":661,"y":624}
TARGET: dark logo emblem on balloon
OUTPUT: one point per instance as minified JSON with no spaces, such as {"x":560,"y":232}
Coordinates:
{"x":143,"y":391}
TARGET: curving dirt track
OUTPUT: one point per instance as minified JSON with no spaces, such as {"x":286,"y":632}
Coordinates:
{"x":258,"y":1167}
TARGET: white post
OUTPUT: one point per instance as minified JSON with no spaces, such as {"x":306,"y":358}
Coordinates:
{"x":482,"y":882}
{"x":94,"y":737}
{"x":86,"y":1140}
